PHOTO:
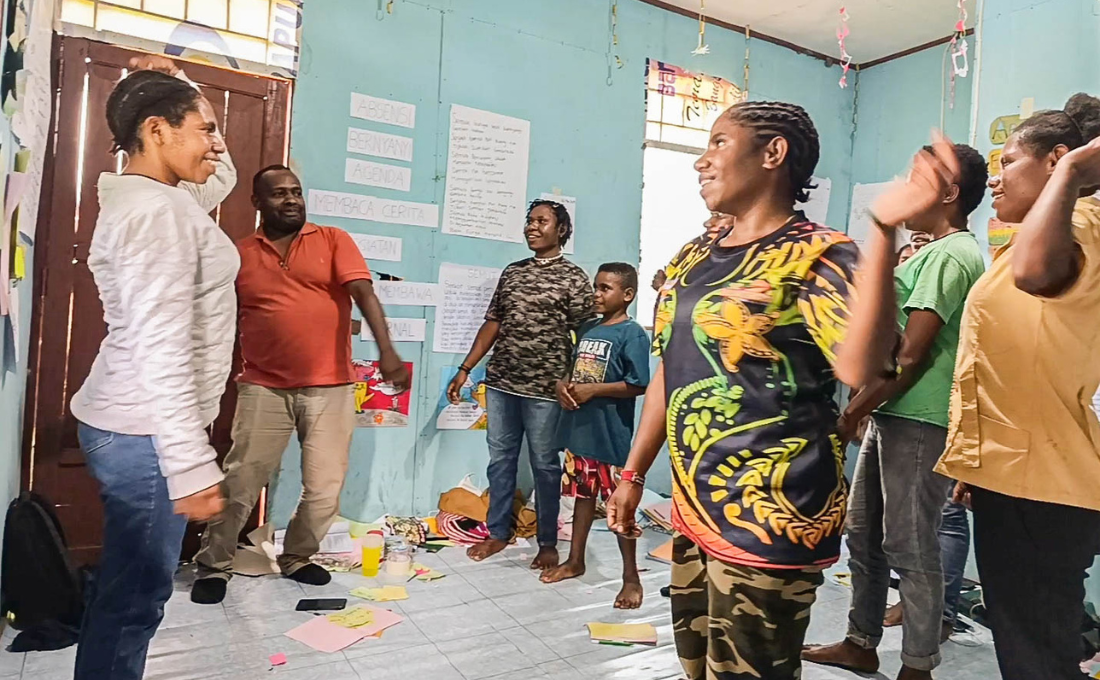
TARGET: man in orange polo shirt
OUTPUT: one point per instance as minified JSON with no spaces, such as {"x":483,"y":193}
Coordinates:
{"x":295,"y":289}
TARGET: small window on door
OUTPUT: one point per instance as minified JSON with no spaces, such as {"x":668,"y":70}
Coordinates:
{"x":251,"y":35}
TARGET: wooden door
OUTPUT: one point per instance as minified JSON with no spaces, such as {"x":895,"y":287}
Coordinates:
{"x":67,"y":321}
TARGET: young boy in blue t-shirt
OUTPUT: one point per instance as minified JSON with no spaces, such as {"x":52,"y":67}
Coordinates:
{"x":610,"y":370}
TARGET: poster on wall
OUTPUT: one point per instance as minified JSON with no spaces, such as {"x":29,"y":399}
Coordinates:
{"x":469,"y":413}
{"x":486,"y":175}
{"x":570,"y":205}
{"x":377,"y":403}
{"x":817,"y":208}
{"x":467,"y":292}
{"x":30,"y":100}
{"x":999,"y":234}
{"x":859,"y":223}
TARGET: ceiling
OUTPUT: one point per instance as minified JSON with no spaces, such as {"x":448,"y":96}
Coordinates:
{"x":879,"y":28}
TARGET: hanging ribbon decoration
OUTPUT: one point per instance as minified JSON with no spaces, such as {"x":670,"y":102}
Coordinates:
{"x":702,"y":47}
{"x":960,"y":61}
{"x":613,"y":40}
{"x":748,"y":44}
{"x":842,"y":34}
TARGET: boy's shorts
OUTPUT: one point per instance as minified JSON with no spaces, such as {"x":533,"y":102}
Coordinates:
{"x":588,"y":478}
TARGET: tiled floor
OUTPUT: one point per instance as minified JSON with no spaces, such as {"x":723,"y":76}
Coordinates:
{"x":488,"y":620}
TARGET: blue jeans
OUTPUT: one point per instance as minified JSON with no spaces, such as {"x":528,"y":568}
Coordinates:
{"x":955,"y":549}
{"x":509,"y":418}
{"x":142,"y":537}
{"x":893,"y":519}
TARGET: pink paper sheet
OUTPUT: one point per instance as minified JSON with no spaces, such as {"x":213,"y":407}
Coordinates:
{"x":325,"y":636}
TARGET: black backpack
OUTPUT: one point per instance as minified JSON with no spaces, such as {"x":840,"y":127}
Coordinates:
{"x":38,"y":582}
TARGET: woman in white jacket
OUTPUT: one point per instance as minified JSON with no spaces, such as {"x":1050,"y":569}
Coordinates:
{"x":165,"y":274}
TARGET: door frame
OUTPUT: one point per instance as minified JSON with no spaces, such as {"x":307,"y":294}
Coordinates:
{"x":44,"y":416}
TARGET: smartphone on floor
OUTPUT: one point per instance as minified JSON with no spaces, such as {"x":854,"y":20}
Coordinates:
{"x":331,"y":604}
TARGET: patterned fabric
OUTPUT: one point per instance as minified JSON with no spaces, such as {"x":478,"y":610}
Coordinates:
{"x":588,"y":478}
{"x":767,"y":612}
{"x":409,"y":528}
{"x":747,"y":336}
{"x":461,"y":529}
{"x":538,"y":307}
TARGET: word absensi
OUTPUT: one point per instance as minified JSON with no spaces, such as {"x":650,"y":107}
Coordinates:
{"x":401,"y":330}
{"x":372,"y":208}
{"x":378,"y":247}
{"x":383,"y":110}
{"x":381,"y":175}
{"x":370,"y":143}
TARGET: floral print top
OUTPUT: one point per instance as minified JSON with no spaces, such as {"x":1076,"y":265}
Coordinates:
{"x":748,"y":336}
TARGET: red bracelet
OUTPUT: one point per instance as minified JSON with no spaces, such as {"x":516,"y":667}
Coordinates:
{"x":633,"y":476}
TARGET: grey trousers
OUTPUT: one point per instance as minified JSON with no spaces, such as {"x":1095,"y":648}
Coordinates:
{"x":893,"y":516}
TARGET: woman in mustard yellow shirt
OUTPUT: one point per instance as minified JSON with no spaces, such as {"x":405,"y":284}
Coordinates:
{"x":1023,"y":440}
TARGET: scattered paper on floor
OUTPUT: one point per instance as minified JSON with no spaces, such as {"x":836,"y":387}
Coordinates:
{"x":633,"y":633}
{"x":325,"y":636}
{"x":423,"y":573}
{"x":383,"y":594}
{"x":255,"y":561}
{"x":353,"y":617}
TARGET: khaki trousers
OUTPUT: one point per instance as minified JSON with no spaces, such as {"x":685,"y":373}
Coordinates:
{"x":324,"y":418}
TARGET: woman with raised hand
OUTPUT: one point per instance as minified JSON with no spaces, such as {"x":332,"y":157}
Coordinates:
{"x":1023,"y":438}
{"x":165,"y":274}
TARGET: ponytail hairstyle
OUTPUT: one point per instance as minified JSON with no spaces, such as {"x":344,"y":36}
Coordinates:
{"x":768,"y":120}
{"x":1074,"y":126}
{"x":142,"y":95}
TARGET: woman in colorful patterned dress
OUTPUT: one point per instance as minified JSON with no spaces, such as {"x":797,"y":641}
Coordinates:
{"x":747,"y":329}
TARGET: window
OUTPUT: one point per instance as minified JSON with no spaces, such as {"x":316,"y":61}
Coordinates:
{"x":681,"y":107}
{"x":250,"y":35}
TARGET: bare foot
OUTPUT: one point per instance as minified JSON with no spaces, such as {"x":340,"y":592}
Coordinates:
{"x":546,"y":559}
{"x":846,"y":655}
{"x":907,"y":673}
{"x":567,"y":570}
{"x":893,"y":616}
{"x":485,"y":549}
{"x":630,"y":597}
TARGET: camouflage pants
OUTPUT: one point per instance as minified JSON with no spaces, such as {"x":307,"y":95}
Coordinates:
{"x":735,"y":622}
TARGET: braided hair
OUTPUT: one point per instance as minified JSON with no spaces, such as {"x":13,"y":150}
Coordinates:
{"x":565,"y":223}
{"x":768,"y":120}
{"x":142,"y":95}
{"x":1075,"y":125}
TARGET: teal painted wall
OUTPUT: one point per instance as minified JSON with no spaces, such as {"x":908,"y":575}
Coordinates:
{"x":540,"y":60}
{"x":898,"y":105}
{"x":1018,"y":60}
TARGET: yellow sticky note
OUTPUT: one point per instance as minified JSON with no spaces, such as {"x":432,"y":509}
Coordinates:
{"x":384,"y":594}
{"x":19,"y":270}
{"x":623,"y":632}
{"x":426,"y":573}
{"x":357,"y":617}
